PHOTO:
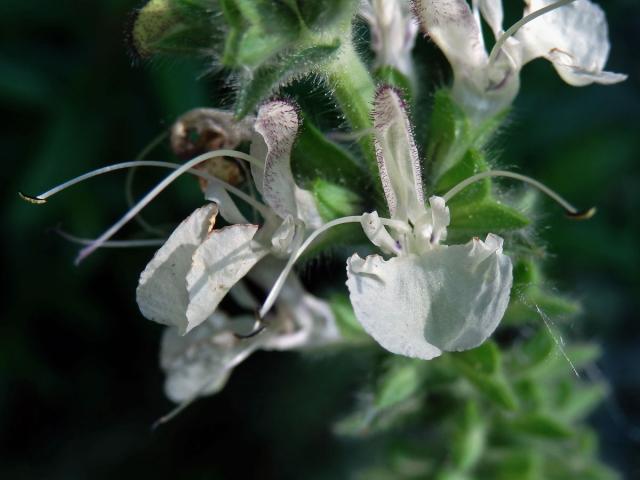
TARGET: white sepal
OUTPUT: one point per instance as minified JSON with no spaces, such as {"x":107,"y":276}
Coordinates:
{"x":276,"y":129}
{"x":397,"y":155}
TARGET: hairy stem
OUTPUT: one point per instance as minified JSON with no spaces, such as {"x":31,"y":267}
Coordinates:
{"x":353,"y":89}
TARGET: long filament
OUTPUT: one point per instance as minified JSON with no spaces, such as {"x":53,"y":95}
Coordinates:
{"x":278,"y":284}
{"x":179,"y":170}
{"x":520,"y":23}
{"x":149,"y":242}
{"x":570,"y":209}
{"x":159,"y":188}
{"x":128,"y":183}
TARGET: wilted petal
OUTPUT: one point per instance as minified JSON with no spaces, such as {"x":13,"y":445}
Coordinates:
{"x":162,"y":289}
{"x":449,"y":298}
{"x":217,"y":265}
{"x":451,"y":25}
{"x":397,"y":155}
{"x":276,"y":129}
{"x":199,"y":363}
{"x":574,"y":38}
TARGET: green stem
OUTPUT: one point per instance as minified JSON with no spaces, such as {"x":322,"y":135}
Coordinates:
{"x":354,"y":89}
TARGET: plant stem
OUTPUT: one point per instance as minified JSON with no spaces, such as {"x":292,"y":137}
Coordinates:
{"x":354,"y":89}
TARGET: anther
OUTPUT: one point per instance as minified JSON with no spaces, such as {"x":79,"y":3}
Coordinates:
{"x":582,"y":214}
{"x":31,"y":199}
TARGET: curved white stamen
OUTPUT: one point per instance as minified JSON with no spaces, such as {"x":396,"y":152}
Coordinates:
{"x":520,"y":23}
{"x":570,"y":209}
{"x":278,"y":284}
{"x":150,"y":242}
{"x":40,"y":199}
{"x":265,"y":211}
{"x":128,"y":183}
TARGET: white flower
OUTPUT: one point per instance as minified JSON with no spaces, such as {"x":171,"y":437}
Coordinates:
{"x":393,"y":33}
{"x":200,"y":362}
{"x":198,"y":265}
{"x":427,"y":297}
{"x":571,"y":34}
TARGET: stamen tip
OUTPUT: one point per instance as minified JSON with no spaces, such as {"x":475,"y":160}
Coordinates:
{"x":31,"y":199}
{"x":582,"y":214}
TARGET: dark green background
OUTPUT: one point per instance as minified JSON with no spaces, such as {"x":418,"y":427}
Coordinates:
{"x":79,"y":380}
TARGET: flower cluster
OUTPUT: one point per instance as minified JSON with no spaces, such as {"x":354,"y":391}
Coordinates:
{"x":571,"y":34}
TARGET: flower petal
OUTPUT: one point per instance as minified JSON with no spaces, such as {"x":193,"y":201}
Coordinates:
{"x":276,"y":129}
{"x":162,"y":290}
{"x":377,"y":234}
{"x":449,"y":298}
{"x":199,"y":363}
{"x":397,"y":155}
{"x":452,"y":26}
{"x":217,"y":265}
{"x":574,"y":38}
{"x":493,"y":14}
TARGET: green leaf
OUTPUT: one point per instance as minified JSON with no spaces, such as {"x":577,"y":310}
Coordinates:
{"x":334,"y":201}
{"x":452,"y":133}
{"x":350,"y":328}
{"x":581,"y":401}
{"x":472,"y":163}
{"x":529,"y":355}
{"x":470,"y":439}
{"x":541,"y":425}
{"x":484,"y":359}
{"x":315,"y":156}
{"x":400,"y":381}
{"x":481,"y":367}
{"x":391,"y":76}
{"x":263,"y":81}
{"x":487,"y":216}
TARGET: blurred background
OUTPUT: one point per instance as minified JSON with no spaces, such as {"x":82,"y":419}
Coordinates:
{"x":80,"y":384}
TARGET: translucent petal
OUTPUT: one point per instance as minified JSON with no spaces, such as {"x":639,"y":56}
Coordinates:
{"x":449,"y":298}
{"x":452,"y":26}
{"x":574,"y":38}
{"x":397,"y":155}
{"x":217,"y":265}
{"x":162,"y":289}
